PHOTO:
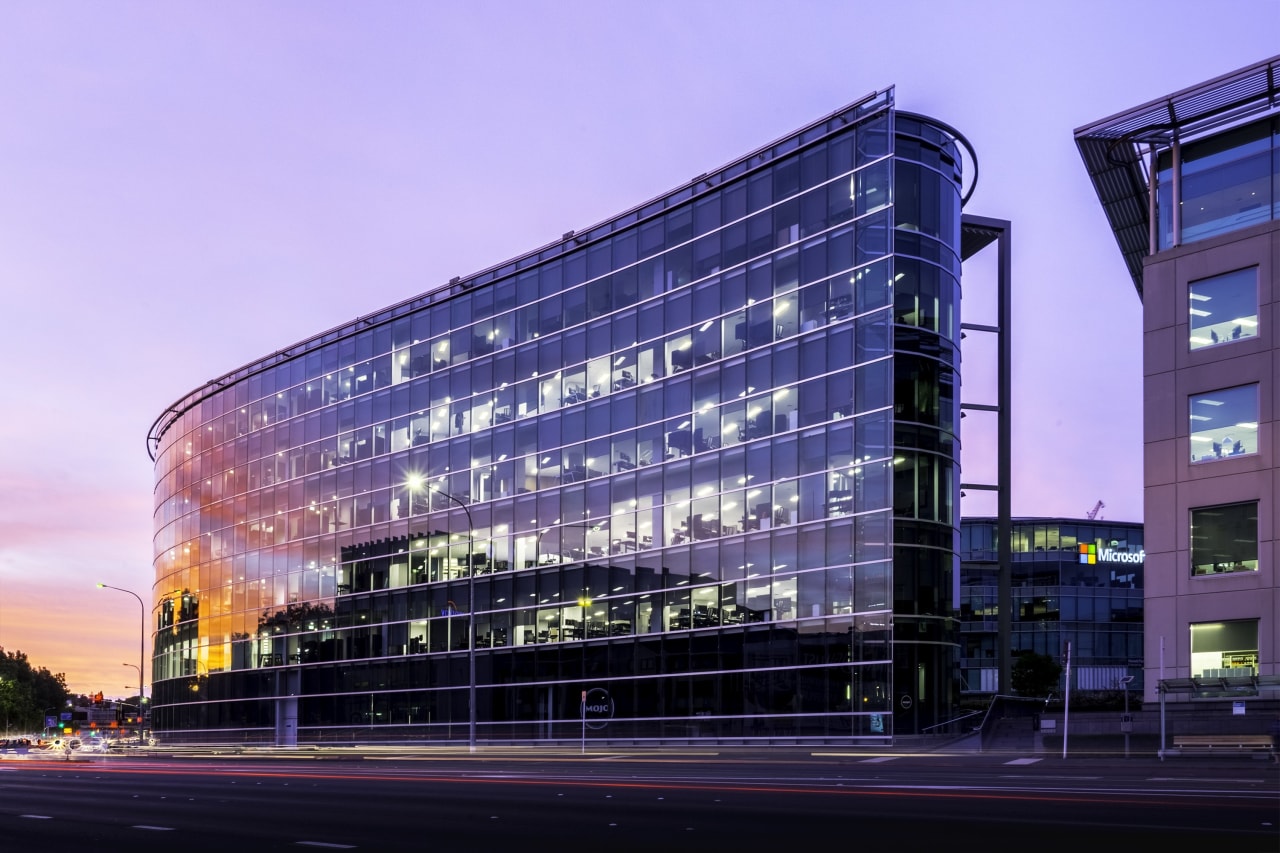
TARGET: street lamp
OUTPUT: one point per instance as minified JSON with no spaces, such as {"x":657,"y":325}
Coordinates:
{"x":139,"y":669}
{"x":416,"y":482}
{"x":142,"y":644}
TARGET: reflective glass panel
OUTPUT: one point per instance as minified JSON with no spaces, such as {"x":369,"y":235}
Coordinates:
{"x":1224,"y":539}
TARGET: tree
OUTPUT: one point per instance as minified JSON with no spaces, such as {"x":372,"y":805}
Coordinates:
{"x":1035,"y":674}
{"x":26,"y":691}
{"x":15,"y":702}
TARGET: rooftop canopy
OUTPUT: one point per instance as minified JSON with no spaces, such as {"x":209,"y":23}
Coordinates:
{"x":1113,"y":149}
{"x":1220,"y":688}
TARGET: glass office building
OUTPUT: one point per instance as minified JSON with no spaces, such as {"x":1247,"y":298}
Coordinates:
{"x":1077,"y":581}
{"x":699,"y":461}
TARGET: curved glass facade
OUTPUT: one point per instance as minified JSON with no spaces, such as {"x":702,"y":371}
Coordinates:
{"x":701,"y":457}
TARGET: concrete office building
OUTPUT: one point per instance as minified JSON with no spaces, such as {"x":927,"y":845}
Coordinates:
{"x":1190,"y":184}
{"x":1077,"y":581}
{"x":697,"y":463}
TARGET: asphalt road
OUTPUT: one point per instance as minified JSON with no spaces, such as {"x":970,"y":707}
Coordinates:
{"x":669,"y":800}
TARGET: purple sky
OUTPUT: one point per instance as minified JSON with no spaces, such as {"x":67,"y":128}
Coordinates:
{"x":187,"y":187}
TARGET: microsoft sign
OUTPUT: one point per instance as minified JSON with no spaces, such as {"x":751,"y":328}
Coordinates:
{"x":1091,"y":554}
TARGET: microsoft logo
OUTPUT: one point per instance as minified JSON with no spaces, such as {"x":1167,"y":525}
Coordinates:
{"x":1091,"y":556}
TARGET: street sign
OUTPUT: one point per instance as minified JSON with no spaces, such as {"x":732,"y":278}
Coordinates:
{"x":905,"y":701}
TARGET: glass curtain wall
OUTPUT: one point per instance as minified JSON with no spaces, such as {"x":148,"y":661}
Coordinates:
{"x":1229,"y":181}
{"x":670,"y":457}
{"x":1073,"y":580}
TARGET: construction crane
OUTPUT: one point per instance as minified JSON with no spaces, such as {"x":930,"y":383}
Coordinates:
{"x":1093,"y":513}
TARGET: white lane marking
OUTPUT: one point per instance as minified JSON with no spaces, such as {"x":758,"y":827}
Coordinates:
{"x":1057,"y":778}
{"x":1209,"y":780}
{"x":153,"y":828}
{"x":324,"y":844}
{"x":1023,"y":761}
{"x":36,"y":816}
{"x":879,"y":760}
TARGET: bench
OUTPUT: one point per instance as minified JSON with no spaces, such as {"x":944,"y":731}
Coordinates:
{"x":1220,"y":744}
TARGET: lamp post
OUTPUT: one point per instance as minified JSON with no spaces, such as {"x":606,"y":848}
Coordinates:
{"x":414,"y":483}
{"x":142,"y":644}
{"x":139,"y":669}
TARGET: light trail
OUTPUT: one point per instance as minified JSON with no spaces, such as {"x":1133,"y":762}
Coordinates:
{"x":841,"y":788}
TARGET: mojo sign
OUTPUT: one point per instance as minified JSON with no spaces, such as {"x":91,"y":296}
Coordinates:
{"x":597,"y":708}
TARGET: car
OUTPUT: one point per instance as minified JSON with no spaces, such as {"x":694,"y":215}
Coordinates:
{"x":61,"y":747}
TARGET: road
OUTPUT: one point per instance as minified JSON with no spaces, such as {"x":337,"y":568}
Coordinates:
{"x":668,"y":800}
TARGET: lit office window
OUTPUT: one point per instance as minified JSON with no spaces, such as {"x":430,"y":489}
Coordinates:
{"x":1224,"y":423}
{"x":1224,"y":539}
{"x":1224,"y":308}
{"x":1224,"y":649}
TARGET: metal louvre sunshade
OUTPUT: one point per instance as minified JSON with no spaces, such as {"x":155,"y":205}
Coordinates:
{"x":1112,"y":148}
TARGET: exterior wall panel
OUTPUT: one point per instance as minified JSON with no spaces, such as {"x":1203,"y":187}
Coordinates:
{"x":1160,"y":460}
{"x":1169,"y":613}
{"x":1160,"y":407}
